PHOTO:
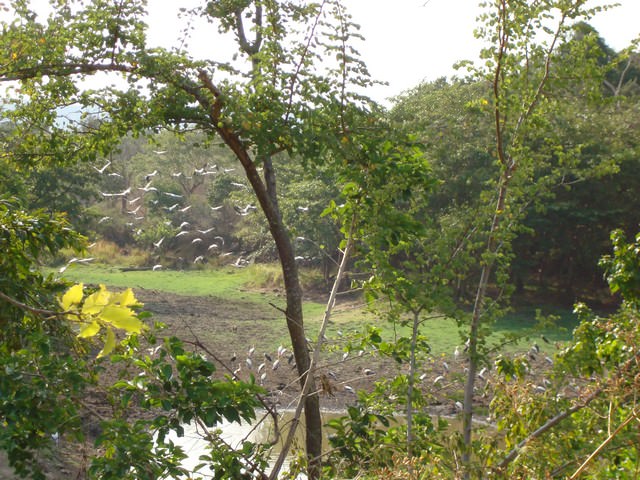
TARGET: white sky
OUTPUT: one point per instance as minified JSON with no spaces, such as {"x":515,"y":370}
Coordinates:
{"x":416,"y":40}
{"x":408,"y":41}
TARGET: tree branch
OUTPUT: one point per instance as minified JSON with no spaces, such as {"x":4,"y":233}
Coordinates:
{"x":552,"y":422}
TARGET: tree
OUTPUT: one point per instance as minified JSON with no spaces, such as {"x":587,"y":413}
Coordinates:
{"x":519,"y":67}
{"x":288,"y":102}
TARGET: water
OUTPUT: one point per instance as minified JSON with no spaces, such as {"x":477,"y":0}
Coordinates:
{"x":234,"y":434}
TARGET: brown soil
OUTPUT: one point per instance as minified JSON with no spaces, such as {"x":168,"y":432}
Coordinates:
{"x":225,"y":331}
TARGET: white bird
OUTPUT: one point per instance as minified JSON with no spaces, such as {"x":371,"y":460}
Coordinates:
{"x":249,"y":363}
{"x":156,"y":267}
{"x":121,"y":194}
{"x":368,"y":371}
{"x":438,"y":379}
{"x":260,"y":367}
{"x":114,"y":174}
{"x":158,"y":243}
{"x":172,"y":207}
{"x":196,"y":240}
{"x":185,"y":209}
{"x":159,"y":152}
{"x":183,"y":232}
{"x":204,"y":232}
{"x":239,"y":185}
{"x":198,"y":259}
{"x":176,"y":174}
{"x":148,"y":188}
{"x":135,"y":211}
{"x":183,"y":224}
{"x":246,"y":210}
{"x":218,"y":237}
{"x":349,"y":389}
{"x":456,"y":353}
{"x":133,"y":200}
{"x":215,"y":209}
{"x":101,"y":170}
{"x":150,"y":175}
{"x":172,"y":195}
{"x":276,"y":364}
{"x":303,"y":209}
{"x":459,"y":406}
{"x":228,"y":170}
{"x":212,"y":246}
{"x":103,"y":219}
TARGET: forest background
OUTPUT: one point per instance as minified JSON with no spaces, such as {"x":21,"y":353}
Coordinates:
{"x":466,"y":196}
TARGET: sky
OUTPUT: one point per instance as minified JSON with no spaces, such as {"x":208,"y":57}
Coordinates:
{"x":418,"y":40}
{"x":406,"y":41}
{"x":410,"y":41}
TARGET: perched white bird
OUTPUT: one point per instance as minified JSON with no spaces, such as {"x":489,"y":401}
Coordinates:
{"x":156,"y":267}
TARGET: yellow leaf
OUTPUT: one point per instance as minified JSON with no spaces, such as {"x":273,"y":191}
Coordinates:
{"x":73,"y":296}
{"x":109,"y":344}
{"x":96,"y":301}
{"x":122,"y":317}
{"x":89,"y":330}
{"x":126,"y":299}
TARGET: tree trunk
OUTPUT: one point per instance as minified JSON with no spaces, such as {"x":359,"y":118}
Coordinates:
{"x":476,"y":317}
{"x":411,"y":382}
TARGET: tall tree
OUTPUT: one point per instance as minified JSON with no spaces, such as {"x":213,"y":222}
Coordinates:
{"x":520,"y":65}
{"x":291,"y":95}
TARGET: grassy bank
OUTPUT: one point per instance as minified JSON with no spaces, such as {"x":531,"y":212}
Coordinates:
{"x":258,"y":285}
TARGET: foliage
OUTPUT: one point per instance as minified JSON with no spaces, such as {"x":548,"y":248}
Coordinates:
{"x":43,"y":378}
{"x":590,"y":394}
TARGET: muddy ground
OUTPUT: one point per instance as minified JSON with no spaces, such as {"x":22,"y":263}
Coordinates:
{"x":228,"y":330}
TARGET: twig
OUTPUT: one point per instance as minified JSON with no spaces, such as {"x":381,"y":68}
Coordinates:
{"x":546,"y":426}
{"x":602,"y":445}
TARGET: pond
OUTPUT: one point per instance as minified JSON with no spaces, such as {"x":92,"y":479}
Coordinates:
{"x":234,"y":434}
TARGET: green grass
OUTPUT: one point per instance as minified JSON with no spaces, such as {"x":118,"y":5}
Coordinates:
{"x":347,"y":319}
{"x":222,"y":283}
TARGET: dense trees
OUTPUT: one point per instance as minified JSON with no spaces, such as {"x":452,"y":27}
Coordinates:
{"x":463,"y":189}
